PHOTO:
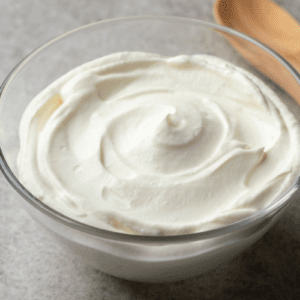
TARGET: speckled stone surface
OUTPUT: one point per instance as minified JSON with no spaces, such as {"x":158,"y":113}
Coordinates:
{"x":33,"y":266}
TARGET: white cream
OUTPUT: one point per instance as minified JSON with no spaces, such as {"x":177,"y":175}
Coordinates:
{"x":158,"y":145}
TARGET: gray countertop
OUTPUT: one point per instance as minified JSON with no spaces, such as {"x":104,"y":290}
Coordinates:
{"x":33,"y":266}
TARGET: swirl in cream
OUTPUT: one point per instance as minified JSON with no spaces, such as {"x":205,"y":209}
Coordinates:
{"x":146,"y":144}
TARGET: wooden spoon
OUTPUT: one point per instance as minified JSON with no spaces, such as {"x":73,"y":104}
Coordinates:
{"x":270,"y":24}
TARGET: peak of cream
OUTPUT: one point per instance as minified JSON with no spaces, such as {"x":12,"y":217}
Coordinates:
{"x":146,"y":144}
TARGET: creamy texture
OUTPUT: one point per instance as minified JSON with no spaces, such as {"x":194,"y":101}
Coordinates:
{"x":146,"y":144}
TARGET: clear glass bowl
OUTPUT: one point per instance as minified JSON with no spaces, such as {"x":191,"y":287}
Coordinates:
{"x":139,"y":258}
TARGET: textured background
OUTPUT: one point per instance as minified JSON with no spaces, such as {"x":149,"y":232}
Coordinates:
{"x":33,"y":267}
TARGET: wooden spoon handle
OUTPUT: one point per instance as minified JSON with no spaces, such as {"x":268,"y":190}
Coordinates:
{"x":266,"y":64}
{"x":257,"y":18}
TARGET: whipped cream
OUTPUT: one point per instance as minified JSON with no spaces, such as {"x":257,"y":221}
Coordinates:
{"x":145,"y":144}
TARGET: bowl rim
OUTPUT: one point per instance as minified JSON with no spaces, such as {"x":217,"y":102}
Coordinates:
{"x":276,"y":205}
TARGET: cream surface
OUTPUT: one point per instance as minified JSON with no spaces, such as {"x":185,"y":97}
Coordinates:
{"x":146,"y":144}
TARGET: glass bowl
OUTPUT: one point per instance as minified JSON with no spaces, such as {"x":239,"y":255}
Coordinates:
{"x":132,"y":257}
